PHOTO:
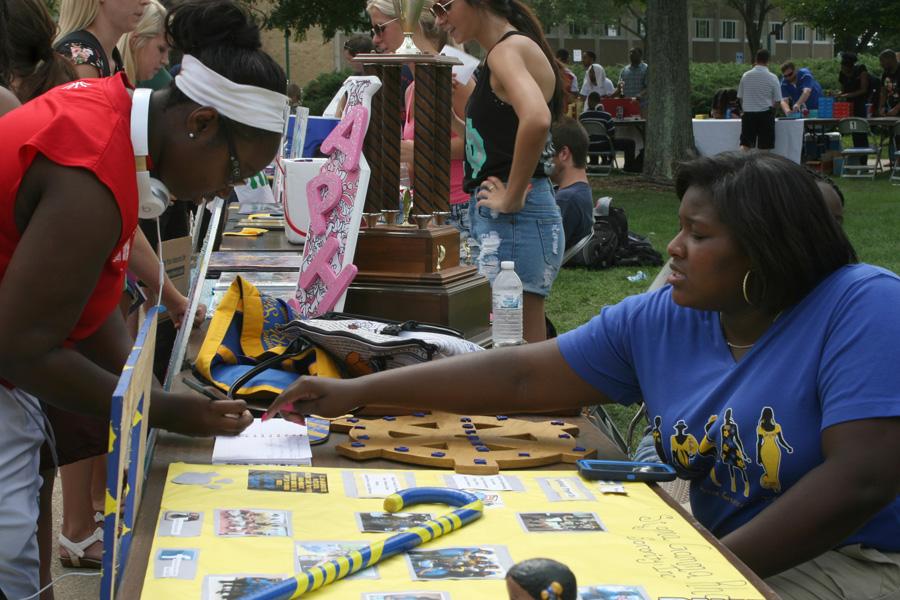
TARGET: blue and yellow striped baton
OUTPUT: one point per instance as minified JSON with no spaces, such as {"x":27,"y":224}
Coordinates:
{"x":470,"y":508}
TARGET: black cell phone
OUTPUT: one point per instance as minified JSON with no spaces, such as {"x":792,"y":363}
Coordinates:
{"x":623,"y":470}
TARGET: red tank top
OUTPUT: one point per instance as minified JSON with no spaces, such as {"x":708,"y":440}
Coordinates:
{"x":87,"y":124}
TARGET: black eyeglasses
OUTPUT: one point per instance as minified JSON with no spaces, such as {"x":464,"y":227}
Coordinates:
{"x":440,"y":10}
{"x":378,"y":29}
{"x":234,"y":165}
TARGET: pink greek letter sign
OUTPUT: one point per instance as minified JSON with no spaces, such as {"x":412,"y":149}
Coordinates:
{"x":335,"y":198}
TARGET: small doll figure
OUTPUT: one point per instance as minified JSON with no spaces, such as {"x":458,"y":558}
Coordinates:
{"x":541,"y":579}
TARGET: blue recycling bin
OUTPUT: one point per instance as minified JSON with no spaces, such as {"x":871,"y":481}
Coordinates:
{"x":317,"y":129}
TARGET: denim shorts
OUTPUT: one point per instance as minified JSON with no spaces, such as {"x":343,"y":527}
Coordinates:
{"x":532,"y":237}
{"x":459,"y":218}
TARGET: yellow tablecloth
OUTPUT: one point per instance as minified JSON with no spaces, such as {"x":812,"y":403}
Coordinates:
{"x":645,"y":542}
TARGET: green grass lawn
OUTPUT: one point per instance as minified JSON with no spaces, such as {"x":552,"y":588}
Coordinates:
{"x":871,"y":219}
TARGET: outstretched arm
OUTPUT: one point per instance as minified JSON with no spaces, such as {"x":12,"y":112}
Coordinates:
{"x":857,"y":479}
{"x":529,"y":378}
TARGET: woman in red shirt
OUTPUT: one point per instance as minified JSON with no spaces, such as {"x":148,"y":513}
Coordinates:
{"x":68,"y":211}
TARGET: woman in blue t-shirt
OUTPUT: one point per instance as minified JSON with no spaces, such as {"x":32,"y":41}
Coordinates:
{"x":770,"y":345}
{"x":518,"y":93}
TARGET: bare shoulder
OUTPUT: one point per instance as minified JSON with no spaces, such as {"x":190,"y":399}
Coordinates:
{"x":518,"y":48}
{"x":520,"y":54}
{"x":50,"y":184}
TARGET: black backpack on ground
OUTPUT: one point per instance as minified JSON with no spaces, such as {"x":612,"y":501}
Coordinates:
{"x":613,"y":245}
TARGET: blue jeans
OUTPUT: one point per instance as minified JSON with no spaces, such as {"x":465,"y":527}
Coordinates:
{"x":21,"y":420}
{"x":532,"y":237}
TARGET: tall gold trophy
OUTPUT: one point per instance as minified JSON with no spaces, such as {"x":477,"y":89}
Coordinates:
{"x":409,"y":11}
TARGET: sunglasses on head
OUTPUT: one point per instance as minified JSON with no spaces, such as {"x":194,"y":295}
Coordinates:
{"x":378,"y":29}
{"x":440,"y":10}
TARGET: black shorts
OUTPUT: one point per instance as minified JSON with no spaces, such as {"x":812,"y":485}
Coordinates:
{"x":758,"y":130}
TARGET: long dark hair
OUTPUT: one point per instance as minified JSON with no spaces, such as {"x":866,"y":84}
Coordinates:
{"x":4,"y":45}
{"x":223,"y":36}
{"x":34,"y":63}
{"x":522,"y":18}
{"x":778,"y":217}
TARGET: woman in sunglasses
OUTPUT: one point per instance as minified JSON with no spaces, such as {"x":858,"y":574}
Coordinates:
{"x":387,"y":33}
{"x":518,"y":93}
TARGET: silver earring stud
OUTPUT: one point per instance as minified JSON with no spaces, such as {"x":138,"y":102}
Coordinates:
{"x":191,"y":135}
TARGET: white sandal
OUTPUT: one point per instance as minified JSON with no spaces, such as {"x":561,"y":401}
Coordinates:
{"x":100,"y":519}
{"x":76,"y":558}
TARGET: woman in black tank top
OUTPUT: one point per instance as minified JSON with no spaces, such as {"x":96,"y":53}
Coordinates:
{"x":518,"y":93}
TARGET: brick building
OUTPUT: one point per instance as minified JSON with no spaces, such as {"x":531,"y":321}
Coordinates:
{"x":717,"y":35}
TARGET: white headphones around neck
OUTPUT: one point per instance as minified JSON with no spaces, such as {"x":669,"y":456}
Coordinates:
{"x":153,"y":196}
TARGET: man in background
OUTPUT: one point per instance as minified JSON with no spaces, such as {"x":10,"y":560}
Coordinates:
{"x":633,"y":78}
{"x":358,"y":44}
{"x":573,"y":194}
{"x":759,"y":93}
{"x":563,"y":56}
{"x":798,"y":88}
{"x":595,"y":79}
{"x":594,"y":111}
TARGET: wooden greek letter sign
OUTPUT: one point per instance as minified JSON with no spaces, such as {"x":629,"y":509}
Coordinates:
{"x":336,"y":197}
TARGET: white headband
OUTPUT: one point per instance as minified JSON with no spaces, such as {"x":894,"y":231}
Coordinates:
{"x":247,"y":104}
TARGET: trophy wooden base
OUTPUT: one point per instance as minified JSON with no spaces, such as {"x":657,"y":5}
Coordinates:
{"x":414,"y":274}
{"x":406,"y":250}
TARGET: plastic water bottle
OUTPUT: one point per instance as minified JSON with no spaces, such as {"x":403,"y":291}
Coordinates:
{"x":489,"y":258}
{"x":507,"y":304}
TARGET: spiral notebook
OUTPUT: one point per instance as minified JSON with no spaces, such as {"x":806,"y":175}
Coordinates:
{"x":274,"y":442}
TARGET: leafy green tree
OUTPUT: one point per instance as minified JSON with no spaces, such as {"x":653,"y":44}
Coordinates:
{"x":624,"y":13}
{"x":855,"y":24}
{"x":299,"y":16}
{"x":754,"y":13}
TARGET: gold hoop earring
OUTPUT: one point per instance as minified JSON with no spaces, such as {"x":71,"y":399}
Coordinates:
{"x":744,"y":288}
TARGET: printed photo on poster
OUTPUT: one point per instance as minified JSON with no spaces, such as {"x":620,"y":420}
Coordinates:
{"x":470,"y":562}
{"x":407,"y":596}
{"x":490,"y":499}
{"x":564,"y":489}
{"x":180,"y":523}
{"x":612,"y":592}
{"x":249,"y":522}
{"x":234,"y":587}
{"x":312,"y":553}
{"x":175,"y":563}
{"x":287,"y":481}
{"x":385,"y":522}
{"x":362,"y":484}
{"x":557,"y":522}
{"x":486,"y":483}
